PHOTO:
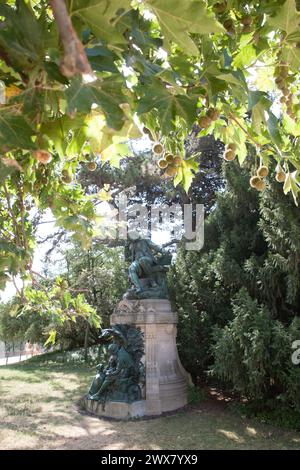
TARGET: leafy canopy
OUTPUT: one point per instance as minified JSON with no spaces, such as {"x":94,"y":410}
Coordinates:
{"x":156,"y":63}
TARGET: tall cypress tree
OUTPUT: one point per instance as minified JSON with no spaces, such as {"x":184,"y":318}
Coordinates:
{"x":238,"y":298}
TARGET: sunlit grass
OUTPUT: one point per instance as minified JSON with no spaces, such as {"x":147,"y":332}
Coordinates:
{"x":38,"y":409}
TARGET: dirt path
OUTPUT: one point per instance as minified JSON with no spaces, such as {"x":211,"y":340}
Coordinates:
{"x":38,"y":411}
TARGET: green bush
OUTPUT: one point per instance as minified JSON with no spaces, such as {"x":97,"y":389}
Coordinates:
{"x":253,"y":353}
{"x":238,"y":298}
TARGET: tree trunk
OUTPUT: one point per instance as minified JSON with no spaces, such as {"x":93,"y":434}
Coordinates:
{"x":86,"y":341}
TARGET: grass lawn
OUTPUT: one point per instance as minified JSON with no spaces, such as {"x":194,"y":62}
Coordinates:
{"x":38,"y":411}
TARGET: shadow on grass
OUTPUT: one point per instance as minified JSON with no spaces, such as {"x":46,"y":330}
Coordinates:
{"x":39,"y":399}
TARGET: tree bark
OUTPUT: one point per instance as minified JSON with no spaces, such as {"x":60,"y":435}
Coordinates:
{"x":75,"y":60}
{"x":86,"y":341}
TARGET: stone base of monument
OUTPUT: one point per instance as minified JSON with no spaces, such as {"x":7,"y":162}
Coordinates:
{"x":166,"y":380}
{"x":116,"y":409}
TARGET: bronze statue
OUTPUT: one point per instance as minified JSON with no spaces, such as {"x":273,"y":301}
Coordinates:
{"x":147,"y":271}
{"x":122,"y":379}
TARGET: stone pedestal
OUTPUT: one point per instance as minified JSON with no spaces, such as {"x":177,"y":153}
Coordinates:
{"x":166,"y":379}
{"x":116,"y":409}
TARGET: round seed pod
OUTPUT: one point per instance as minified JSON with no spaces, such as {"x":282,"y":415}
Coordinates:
{"x":231,"y":146}
{"x":177,"y":160}
{"x":204,"y":122}
{"x":231,"y":31}
{"x":213,"y":114}
{"x":228,"y":24}
{"x":92,"y":166}
{"x":43,"y":156}
{"x":170,"y":158}
{"x":220,"y":7}
{"x":162,"y":163}
{"x":247,"y":29}
{"x":280,"y":177}
{"x":247,"y":20}
{"x":157,"y":148}
{"x":279,"y":82}
{"x":260,"y":186}
{"x":283,"y":71}
{"x":66,"y":179}
{"x":229,"y":155}
{"x":171,"y":171}
{"x":285,"y":91}
{"x":263,"y":171}
{"x":254,"y":180}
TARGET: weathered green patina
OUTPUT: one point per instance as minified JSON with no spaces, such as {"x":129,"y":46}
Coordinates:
{"x":122,"y":378}
{"x":147,"y":271}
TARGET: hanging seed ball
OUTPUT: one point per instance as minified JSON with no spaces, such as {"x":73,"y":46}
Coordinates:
{"x":279,"y":81}
{"x":170,"y":158}
{"x":247,"y":20}
{"x":43,"y":156}
{"x":282,"y":70}
{"x":220,"y":7}
{"x":157,"y":148}
{"x":162,"y":163}
{"x":213,"y":114}
{"x":204,"y":122}
{"x":247,"y":29}
{"x":254,"y":180}
{"x":229,"y":155}
{"x":177,"y":160}
{"x":263,"y":171}
{"x":228,"y":24}
{"x":280,"y":177}
{"x":261,"y":185}
{"x":92,"y":166}
{"x":285,"y":91}
{"x":66,"y":179}
{"x":171,"y":171}
{"x":231,"y":146}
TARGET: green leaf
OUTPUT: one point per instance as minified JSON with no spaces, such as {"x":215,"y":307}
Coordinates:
{"x":22,"y":36}
{"x":179,"y":19}
{"x":101,"y":59}
{"x":291,"y":55}
{"x":15,"y":132}
{"x":58,"y":131}
{"x":107,"y":94}
{"x":273,"y":128}
{"x":51,"y":338}
{"x":186,"y":173}
{"x":291,"y":184}
{"x":115,"y":152}
{"x":168,"y":106}
{"x":287,"y":18}
{"x":101,"y":16}
{"x":245,"y":56}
